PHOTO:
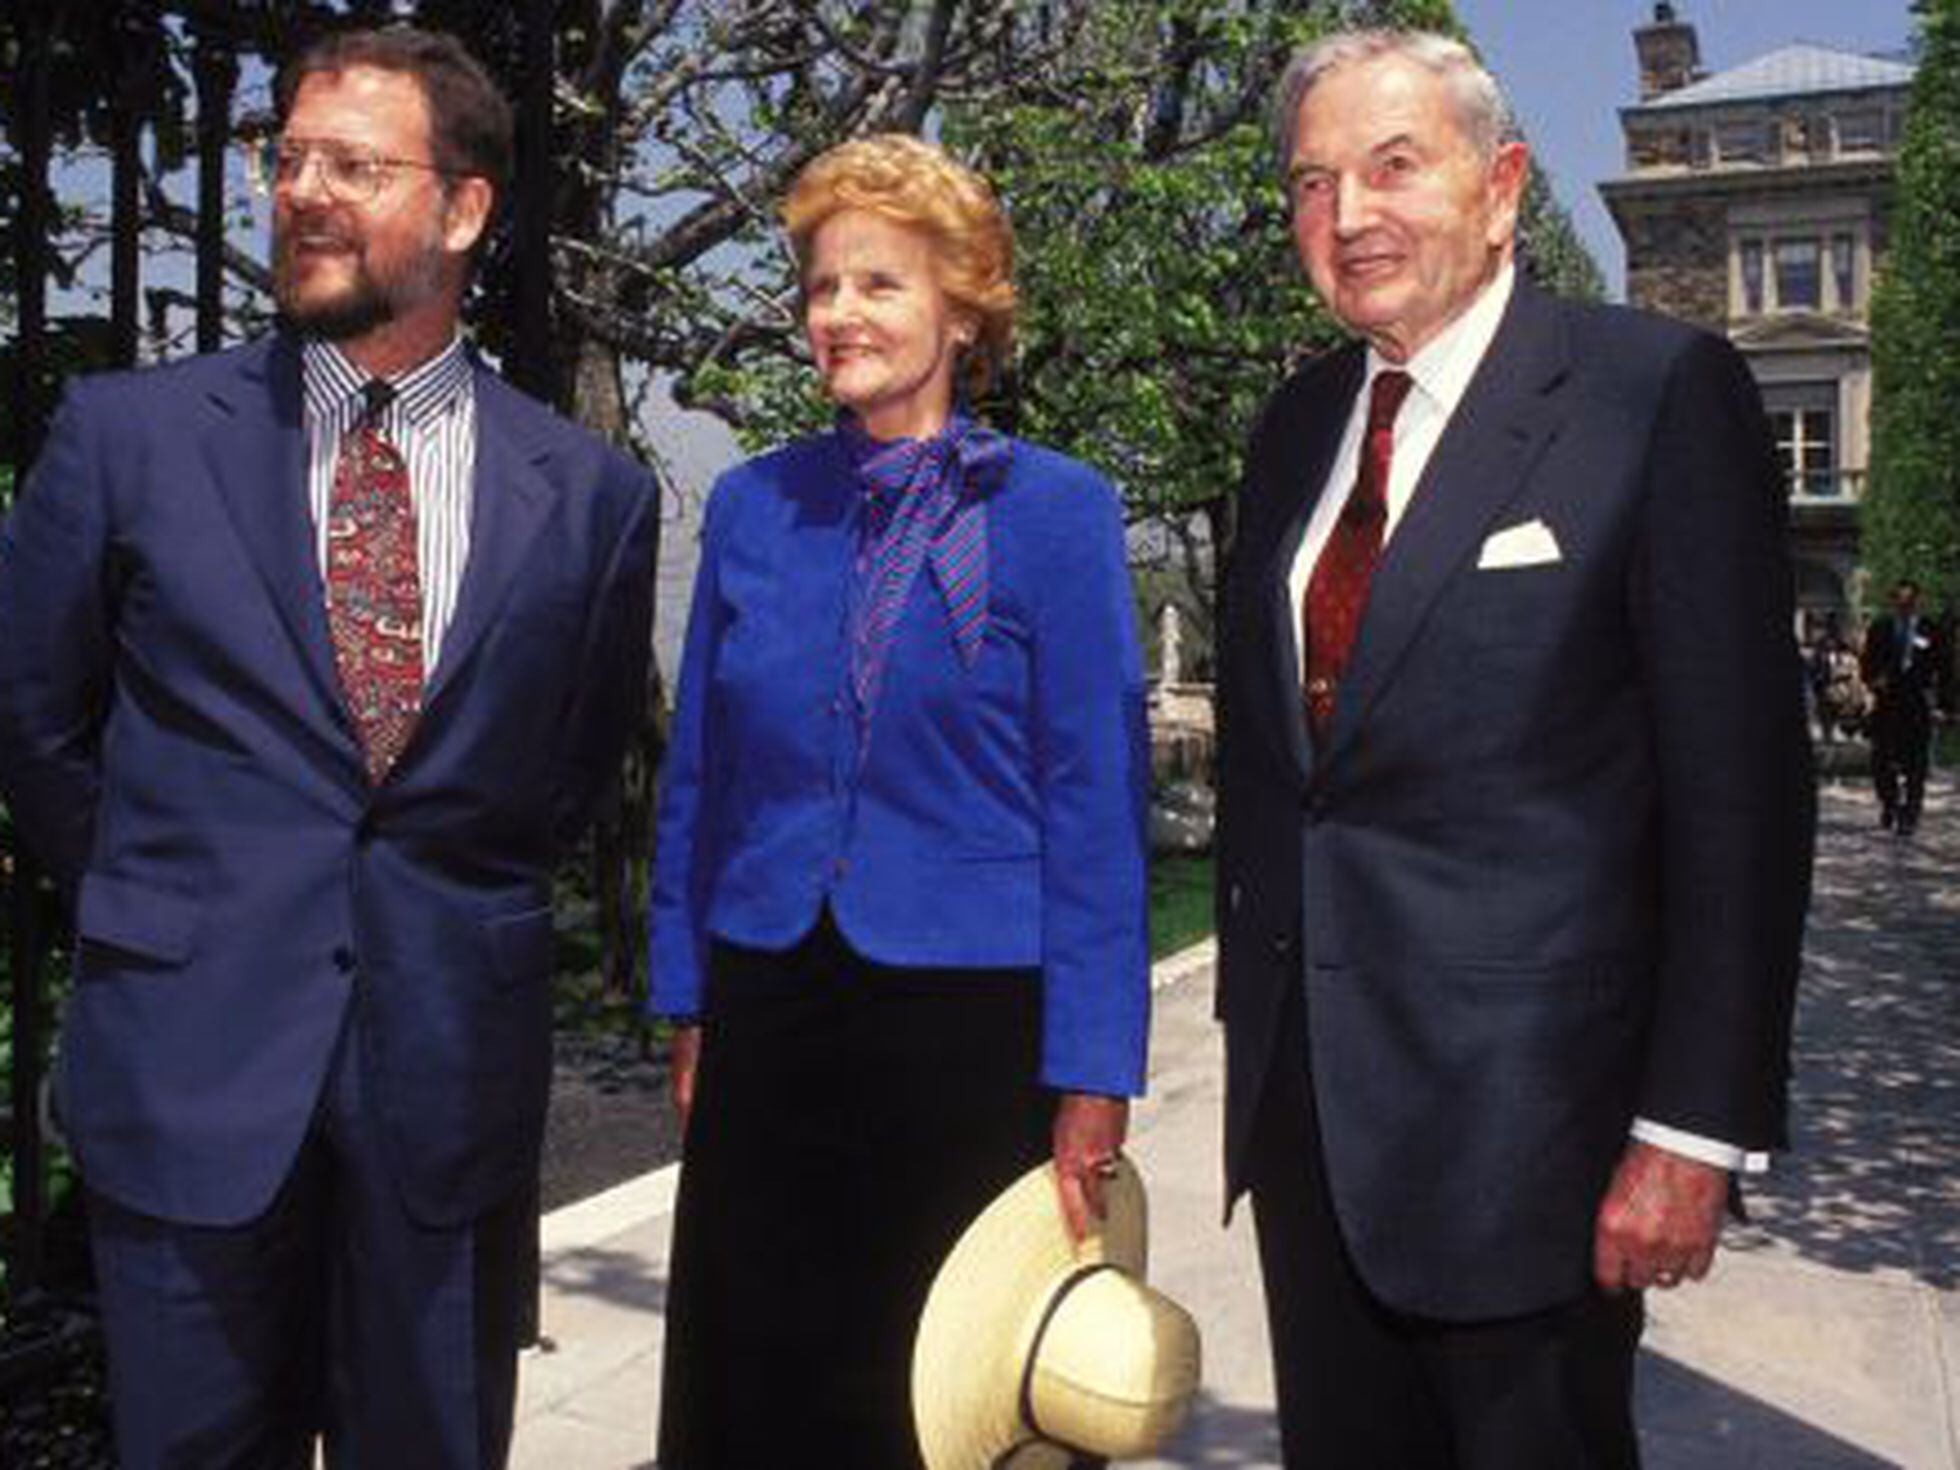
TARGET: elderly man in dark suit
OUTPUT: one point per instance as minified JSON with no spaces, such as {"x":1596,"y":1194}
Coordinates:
{"x":312,"y":656}
{"x":1516,"y":803}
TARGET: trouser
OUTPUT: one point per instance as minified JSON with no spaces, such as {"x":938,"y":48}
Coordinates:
{"x":331,"y":1316}
{"x":1902,"y":734}
{"x":1364,"y":1387}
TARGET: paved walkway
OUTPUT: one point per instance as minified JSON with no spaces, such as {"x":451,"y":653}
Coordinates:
{"x":1827,"y":1339}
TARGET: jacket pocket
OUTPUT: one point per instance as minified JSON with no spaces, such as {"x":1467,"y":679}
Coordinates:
{"x":136,"y":919}
{"x":520,"y":947}
{"x":1512,"y":607}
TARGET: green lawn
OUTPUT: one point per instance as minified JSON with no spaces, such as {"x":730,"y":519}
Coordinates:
{"x":1180,"y":902}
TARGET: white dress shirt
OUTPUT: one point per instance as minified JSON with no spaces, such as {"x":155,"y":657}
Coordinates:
{"x":1442,"y":370}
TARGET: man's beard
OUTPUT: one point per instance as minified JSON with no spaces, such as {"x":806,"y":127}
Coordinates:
{"x":366,"y":301}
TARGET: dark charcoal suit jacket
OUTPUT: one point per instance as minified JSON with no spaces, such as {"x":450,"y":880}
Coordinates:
{"x":1548,"y":870}
{"x":1915,"y":690}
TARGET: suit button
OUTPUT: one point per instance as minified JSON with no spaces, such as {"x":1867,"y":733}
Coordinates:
{"x":343,"y":959}
{"x":1283,"y":946}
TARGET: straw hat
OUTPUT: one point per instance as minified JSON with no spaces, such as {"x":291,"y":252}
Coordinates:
{"x":1031,"y":1346}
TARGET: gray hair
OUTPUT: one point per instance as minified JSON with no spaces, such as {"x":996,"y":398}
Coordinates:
{"x":1482,"y":113}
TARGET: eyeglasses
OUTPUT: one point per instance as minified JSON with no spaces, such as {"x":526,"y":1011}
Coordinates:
{"x":349,"y":175}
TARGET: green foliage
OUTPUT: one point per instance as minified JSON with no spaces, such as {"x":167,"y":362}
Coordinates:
{"x":1180,"y":902}
{"x":1910,"y":524}
{"x":1550,"y":250}
{"x":1946,"y":747}
{"x":583,"y":1001}
{"x":779,"y":395}
{"x":1161,"y":300}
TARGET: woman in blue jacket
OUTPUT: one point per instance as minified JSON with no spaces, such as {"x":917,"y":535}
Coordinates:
{"x":898,"y":906}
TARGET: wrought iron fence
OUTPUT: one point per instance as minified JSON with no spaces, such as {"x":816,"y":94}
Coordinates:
{"x":23,"y":1223}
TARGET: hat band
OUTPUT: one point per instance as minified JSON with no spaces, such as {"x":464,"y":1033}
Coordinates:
{"x":1074,"y":1279}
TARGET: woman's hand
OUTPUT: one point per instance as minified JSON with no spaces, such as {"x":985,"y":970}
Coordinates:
{"x":1089,"y":1129}
{"x":683,"y":1060}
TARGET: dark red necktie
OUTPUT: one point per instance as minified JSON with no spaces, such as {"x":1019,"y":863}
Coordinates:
{"x":1338,"y":590}
{"x":374,"y":587}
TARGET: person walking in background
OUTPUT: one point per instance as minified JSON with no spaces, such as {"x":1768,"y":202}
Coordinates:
{"x":1905,"y":665}
{"x":898,"y":904}
{"x":1516,"y":811}
{"x":313,"y":655}
{"x":1838,"y":693}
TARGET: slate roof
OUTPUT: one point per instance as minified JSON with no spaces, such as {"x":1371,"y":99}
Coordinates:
{"x":1797,"y":70}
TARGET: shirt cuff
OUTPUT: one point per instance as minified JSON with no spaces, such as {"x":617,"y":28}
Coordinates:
{"x":1700,"y":1148}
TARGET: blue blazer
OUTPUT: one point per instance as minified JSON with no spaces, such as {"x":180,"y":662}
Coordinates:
{"x":998,"y":818}
{"x":174,"y":746}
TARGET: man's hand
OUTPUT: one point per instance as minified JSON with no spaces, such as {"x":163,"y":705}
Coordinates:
{"x":1659,"y":1221}
{"x":683,"y":1060}
{"x":1089,"y":1129}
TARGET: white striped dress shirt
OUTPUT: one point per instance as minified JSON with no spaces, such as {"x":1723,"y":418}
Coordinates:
{"x":432,"y":421}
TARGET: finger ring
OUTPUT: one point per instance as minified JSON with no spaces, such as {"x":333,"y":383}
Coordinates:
{"x":1666,"y":1278}
{"x":1104,"y":1167}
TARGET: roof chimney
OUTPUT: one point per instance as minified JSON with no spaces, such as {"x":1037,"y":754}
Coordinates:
{"x":1670,"y":53}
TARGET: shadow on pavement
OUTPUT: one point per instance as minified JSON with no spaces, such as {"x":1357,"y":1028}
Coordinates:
{"x":620,"y":1278}
{"x":1872,"y":1180}
{"x":1221,"y":1434}
{"x":1689,"y":1421}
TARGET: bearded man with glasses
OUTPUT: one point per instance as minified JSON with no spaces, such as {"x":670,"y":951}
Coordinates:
{"x":313,"y":655}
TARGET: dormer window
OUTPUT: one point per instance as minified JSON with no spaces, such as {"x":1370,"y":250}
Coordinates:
{"x":1861,"y":131}
{"x":1745,"y":140}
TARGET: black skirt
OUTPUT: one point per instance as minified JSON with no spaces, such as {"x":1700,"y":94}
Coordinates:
{"x":850,"y":1120}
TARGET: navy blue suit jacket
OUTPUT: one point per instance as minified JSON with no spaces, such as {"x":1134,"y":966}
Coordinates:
{"x":175,"y":747}
{"x":999,"y":817}
{"x":1548,"y":870}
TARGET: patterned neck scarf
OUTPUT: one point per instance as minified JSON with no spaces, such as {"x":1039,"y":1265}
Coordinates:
{"x":924,"y":500}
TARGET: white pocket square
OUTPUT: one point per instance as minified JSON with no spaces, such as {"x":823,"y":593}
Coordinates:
{"x":1527,"y":544}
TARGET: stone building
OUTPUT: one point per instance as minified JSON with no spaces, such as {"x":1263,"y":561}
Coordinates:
{"x":1756,"y":202}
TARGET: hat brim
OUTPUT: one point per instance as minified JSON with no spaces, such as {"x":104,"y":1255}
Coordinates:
{"x":985,"y":1308}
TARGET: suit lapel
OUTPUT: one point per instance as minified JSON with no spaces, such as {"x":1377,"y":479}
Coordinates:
{"x":512,"y":499}
{"x":1302,"y":453}
{"x":1507,"y":417}
{"x":255,"y":448}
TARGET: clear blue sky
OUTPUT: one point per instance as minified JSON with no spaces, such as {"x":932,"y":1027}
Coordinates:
{"x":1568,"y":66}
